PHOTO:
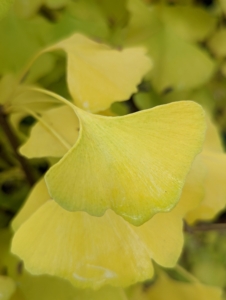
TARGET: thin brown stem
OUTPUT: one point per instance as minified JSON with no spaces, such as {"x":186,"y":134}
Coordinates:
{"x":204,"y":227}
{"x":15,"y":144}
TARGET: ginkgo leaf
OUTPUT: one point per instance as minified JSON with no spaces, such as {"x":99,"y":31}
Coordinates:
{"x":5,"y":6}
{"x":28,"y":8}
{"x":45,"y":287}
{"x":223,"y":6}
{"x":177,"y":63}
{"x":124,"y":252}
{"x":123,"y":255}
{"x":53,"y":135}
{"x":56,"y":4}
{"x":7,"y":287}
{"x":134,"y":164}
{"x":25,"y":39}
{"x":24,"y":100}
{"x":215,"y":188}
{"x":214,"y":161}
{"x":38,"y":196}
{"x":8,"y":85}
{"x":217,"y":43}
{"x":189,"y":22}
{"x":53,"y":288}
{"x":176,"y":290}
{"x":99,"y":75}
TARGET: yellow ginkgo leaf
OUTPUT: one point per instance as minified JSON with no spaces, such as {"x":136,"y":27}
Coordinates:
{"x":215,"y":188}
{"x":53,"y":135}
{"x":96,"y":251}
{"x":99,"y":75}
{"x":124,"y":252}
{"x":134,"y":164}
{"x":7,"y":287}
{"x":44,"y":287}
{"x":38,"y":196}
{"x":24,"y":98}
{"x":214,"y":161}
{"x":175,"y":290}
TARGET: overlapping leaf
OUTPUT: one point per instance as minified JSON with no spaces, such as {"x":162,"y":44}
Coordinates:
{"x":124,"y":252}
{"x":99,"y":75}
{"x":53,"y":135}
{"x":7,"y":287}
{"x":189,"y":22}
{"x":24,"y":285}
{"x":214,"y":160}
{"x":135,"y":164}
{"x":177,"y":63}
{"x":22,"y":39}
{"x":176,"y":290}
{"x":217,"y":43}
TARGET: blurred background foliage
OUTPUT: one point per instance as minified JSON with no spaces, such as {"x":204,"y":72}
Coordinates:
{"x":186,"y":40}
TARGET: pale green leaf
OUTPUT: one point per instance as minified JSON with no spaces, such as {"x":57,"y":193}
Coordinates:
{"x":217,"y":43}
{"x":177,"y":63}
{"x":5,"y":6}
{"x":189,"y":22}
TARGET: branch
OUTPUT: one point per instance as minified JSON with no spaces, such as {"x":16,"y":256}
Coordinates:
{"x":15,"y":144}
{"x":204,"y":227}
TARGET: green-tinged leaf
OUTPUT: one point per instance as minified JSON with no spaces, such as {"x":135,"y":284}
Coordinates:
{"x":56,"y":4}
{"x":53,"y":135}
{"x":41,"y":67}
{"x":176,"y":290}
{"x":141,"y":161}
{"x":98,"y":75}
{"x":5,"y":6}
{"x":26,"y":100}
{"x":8,"y":85}
{"x":22,"y":39}
{"x":119,"y":109}
{"x":52,"y":288}
{"x":115,"y":11}
{"x":27,"y":8}
{"x":177,"y":63}
{"x":217,"y":43}
{"x":7,"y":287}
{"x":81,"y":17}
{"x":143,"y":22}
{"x":189,"y":22}
{"x":223,"y":5}
{"x":145,"y":100}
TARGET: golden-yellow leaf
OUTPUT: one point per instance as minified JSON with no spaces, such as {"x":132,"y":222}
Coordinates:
{"x":96,"y":251}
{"x":54,"y":134}
{"x":98,"y":75}
{"x":135,"y":164}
